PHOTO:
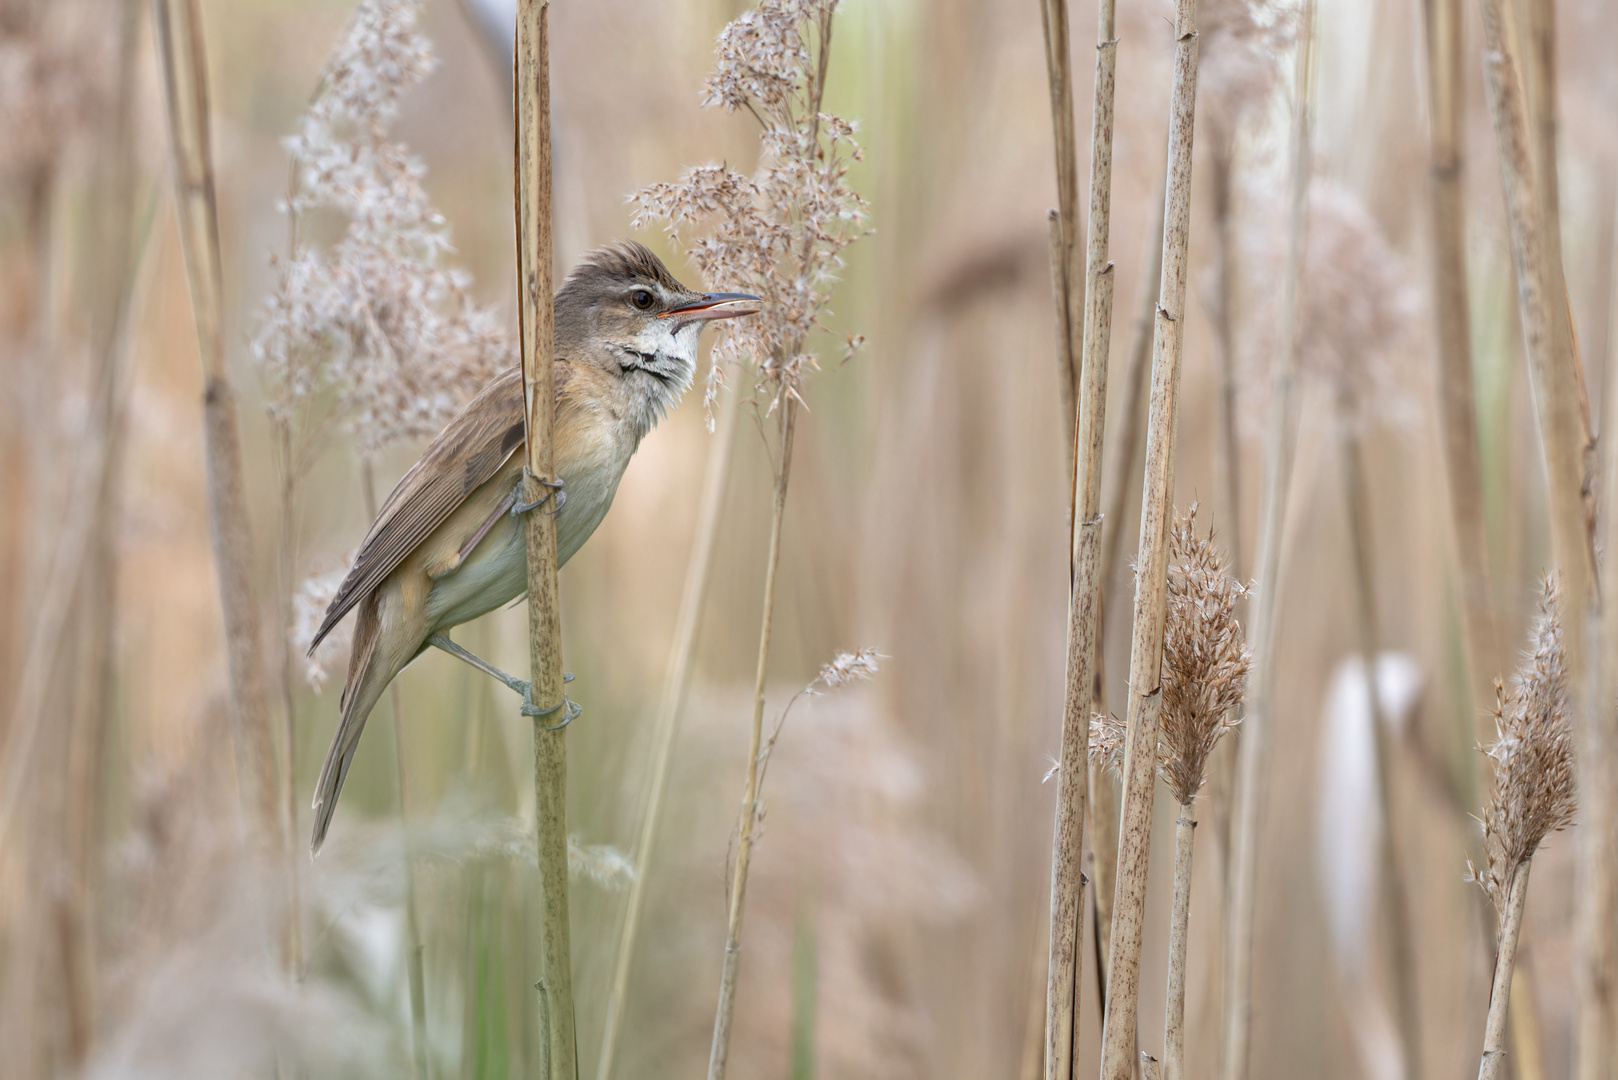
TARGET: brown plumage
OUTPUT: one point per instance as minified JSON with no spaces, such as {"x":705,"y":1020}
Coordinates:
{"x":446,"y":547}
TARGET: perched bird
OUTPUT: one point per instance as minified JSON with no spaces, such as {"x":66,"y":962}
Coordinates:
{"x":448,"y":544}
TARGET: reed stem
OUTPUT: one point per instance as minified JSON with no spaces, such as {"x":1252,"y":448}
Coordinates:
{"x":1568,"y":453}
{"x":531,"y":65}
{"x":1084,"y":604}
{"x":746,"y":825}
{"x":1494,"y":1033}
{"x":1185,"y":831}
{"x":1151,"y":595}
{"x":1253,"y":745}
{"x":676,"y":681}
{"x":179,"y":34}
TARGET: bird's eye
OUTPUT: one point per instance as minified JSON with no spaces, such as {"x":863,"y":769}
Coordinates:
{"x":642,"y":299}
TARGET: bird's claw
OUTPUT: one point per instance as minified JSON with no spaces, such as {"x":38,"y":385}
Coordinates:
{"x":556,"y":493}
{"x":530,"y":708}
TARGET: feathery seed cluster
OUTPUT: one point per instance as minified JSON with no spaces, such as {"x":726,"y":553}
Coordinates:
{"x":779,"y":232}
{"x":378,"y":317}
{"x":1534,"y":793}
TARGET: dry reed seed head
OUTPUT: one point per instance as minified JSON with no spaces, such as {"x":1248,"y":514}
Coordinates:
{"x":1107,"y":737}
{"x":1357,"y":308}
{"x":309,"y":606}
{"x":1205,"y":656}
{"x":778,"y":233}
{"x":56,"y":82}
{"x":377,"y":316}
{"x":1534,"y":784}
{"x":1239,"y":45}
{"x":850,"y":667}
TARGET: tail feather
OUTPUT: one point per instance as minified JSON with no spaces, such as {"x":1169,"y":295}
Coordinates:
{"x":366,"y":681}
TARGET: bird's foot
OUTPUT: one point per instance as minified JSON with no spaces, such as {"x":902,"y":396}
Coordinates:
{"x":556,"y":493}
{"x":569,"y":714}
{"x":521,"y":686}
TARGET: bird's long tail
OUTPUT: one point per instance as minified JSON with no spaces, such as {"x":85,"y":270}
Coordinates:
{"x":368,"y":676}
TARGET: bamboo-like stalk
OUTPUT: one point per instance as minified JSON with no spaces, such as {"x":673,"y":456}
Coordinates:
{"x":676,"y":681}
{"x":1566,"y":447}
{"x":1084,"y":603}
{"x":1146,"y":646}
{"x":179,"y":34}
{"x":1069,"y":285}
{"x":1253,"y":745}
{"x":1185,"y":831}
{"x":531,"y":67}
{"x":1601,"y":890}
{"x":1457,"y":411}
{"x":1494,"y":1033}
{"x":1125,"y":462}
{"x":1393,"y":897}
{"x":746,"y":826}
{"x":419,"y":1061}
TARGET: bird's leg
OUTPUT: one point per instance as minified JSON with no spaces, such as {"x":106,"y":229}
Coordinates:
{"x":521,"y":686}
{"x":521,"y":508}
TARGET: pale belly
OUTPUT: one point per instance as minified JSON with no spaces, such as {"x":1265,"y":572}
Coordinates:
{"x":496,"y":571}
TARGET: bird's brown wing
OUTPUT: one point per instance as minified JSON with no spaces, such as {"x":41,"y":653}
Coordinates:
{"x":468,"y":452}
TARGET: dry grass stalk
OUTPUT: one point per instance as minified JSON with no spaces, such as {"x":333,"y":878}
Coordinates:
{"x":1205,"y":662}
{"x":1084,"y":600}
{"x":779,"y":235}
{"x":1067,"y":274}
{"x":1567,"y":450}
{"x":558,"y":1043}
{"x":179,"y":33}
{"x":1146,"y":646}
{"x":1457,"y":411}
{"x":676,"y":681}
{"x":1253,"y":749}
{"x":1597,"y":768}
{"x":1533,"y":796}
{"x":1395,"y":898}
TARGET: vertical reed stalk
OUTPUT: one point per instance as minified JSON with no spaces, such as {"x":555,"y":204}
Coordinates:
{"x":1394,"y":897}
{"x":1084,"y":603}
{"x":676,"y":681}
{"x":1457,"y":411}
{"x":420,"y":1064}
{"x":1253,"y":747}
{"x":747,"y":824}
{"x":1185,"y":831}
{"x":531,"y":67}
{"x":179,"y":34}
{"x":1229,"y":455}
{"x":1069,"y":285}
{"x":1602,"y":867}
{"x":286,"y":559}
{"x":1566,"y":446}
{"x":1494,"y":1033}
{"x":1146,"y":646}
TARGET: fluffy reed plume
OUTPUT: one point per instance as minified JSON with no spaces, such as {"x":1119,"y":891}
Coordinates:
{"x":1533,"y":796}
{"x":378,"y":316}
{"x":57,"y":68}
{"x":779,"y":234}
{"x":1205,"y":662}
{"x":1205,"y":657}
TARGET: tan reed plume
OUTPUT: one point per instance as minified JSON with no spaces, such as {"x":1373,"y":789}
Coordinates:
{"x":1534,"y":795}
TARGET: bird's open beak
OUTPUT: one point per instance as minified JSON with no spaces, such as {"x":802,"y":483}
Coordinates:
{"x":715,"y":305}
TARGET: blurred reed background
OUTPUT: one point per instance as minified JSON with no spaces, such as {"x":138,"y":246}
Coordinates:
{"x":898,"y":908}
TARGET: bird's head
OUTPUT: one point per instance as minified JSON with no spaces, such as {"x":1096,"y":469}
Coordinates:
{"x":622,"y":311}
